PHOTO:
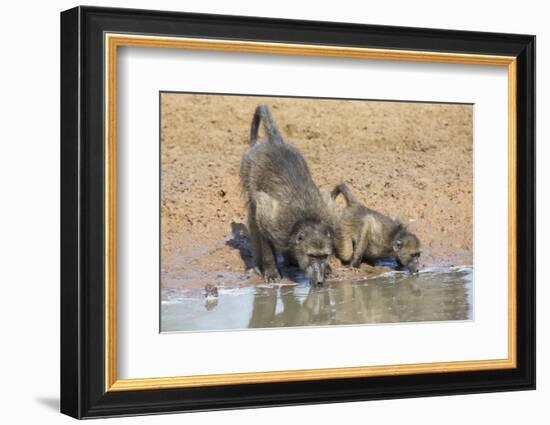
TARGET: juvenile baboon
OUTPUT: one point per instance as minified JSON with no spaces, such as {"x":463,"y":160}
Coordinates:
{"x":365,"y":234}
{"x":286,"y":211}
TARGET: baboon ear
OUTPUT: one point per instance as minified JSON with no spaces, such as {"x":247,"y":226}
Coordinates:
{"x":300,"y":236}
{"x":397,"y":245}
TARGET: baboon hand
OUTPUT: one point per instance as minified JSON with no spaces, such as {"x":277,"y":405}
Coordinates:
{"x":328,"y":270}
{"x":356,"y":265}
{"x":272,"y":275}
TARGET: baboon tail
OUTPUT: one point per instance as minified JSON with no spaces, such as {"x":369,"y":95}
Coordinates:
{"x":263,"y":114}
{"x":344,"y":190}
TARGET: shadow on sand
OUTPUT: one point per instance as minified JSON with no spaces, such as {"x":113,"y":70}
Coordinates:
{"x":241,"y":242}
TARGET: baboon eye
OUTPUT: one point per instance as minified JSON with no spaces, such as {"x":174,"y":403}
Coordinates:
{"x":415,"y":255}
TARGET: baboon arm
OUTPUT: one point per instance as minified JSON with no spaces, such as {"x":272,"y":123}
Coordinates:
{"x":344,"y":247}
{"x":269,"y":262}
{"x":255,"y":241}
{"x":360,"y":248}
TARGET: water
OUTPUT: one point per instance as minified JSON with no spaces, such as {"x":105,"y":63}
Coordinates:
{"x":394,"y":297}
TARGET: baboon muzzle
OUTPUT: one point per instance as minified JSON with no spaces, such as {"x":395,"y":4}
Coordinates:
{"x":316,"y":273}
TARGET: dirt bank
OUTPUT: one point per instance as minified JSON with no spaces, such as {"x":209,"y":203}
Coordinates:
{"x":407,"y":160}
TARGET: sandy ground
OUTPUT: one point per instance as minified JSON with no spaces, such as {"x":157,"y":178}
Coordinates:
{"x":408,"y":160}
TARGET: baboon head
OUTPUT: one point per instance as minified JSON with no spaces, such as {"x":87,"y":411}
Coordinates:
{"x":407,"y":250}
{"x":312,"y":248}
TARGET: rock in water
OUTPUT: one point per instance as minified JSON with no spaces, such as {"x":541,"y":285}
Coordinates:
{"x":210,"y":291}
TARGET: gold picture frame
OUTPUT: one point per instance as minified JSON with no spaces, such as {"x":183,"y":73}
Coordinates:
{"x":114,"y":41}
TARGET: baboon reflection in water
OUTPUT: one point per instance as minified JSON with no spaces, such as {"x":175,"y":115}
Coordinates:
{"x":346,"y":303}
{"x":389,"y":298}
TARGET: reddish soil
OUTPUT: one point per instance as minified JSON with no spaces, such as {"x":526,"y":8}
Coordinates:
{"x":407,"y":160}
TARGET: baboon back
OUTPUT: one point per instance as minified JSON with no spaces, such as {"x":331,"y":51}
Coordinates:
{"x":277,"y":177}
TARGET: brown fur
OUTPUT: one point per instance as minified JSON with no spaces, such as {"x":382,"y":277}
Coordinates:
{"x":286,"y":211}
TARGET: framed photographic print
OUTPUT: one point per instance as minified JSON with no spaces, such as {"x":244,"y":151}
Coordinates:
{"x":261,"y":212}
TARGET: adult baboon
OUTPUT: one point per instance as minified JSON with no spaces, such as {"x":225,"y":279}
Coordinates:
{"x":286,"y":212}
